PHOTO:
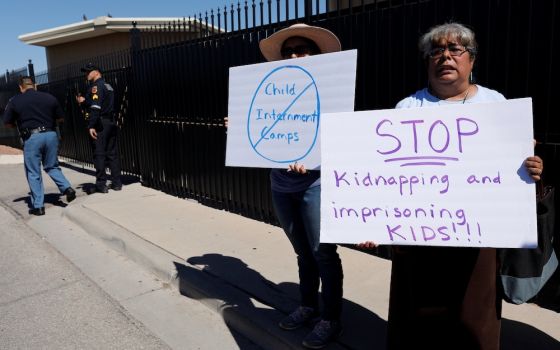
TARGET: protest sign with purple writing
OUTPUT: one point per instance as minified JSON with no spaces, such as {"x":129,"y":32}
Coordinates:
{"x":442,"y":176}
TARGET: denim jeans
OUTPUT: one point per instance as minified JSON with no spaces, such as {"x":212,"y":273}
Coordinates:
{"x":37,"y":149}
{"x":299,"y":215}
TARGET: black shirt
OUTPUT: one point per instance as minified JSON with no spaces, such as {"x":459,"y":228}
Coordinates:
{"x":99,"y":100}
{"x":33,"y":109}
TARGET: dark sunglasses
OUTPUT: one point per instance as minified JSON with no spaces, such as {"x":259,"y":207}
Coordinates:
{"x":297,"y":50}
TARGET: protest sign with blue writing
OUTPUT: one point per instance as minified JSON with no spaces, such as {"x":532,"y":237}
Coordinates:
{"x":442,"y":176}
{"x":275,"y":108}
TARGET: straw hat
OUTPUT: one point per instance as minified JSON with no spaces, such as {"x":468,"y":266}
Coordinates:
{"x":325,"y":40}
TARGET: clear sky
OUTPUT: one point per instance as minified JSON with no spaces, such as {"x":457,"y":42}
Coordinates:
{"x":25,"y":16}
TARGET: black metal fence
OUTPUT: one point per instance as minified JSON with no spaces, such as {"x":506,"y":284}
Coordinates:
{"x":9,"y":88}
{"x":13,"y":75}
{"x":9,"y":85}
{"x":173,"y":93}
{"x":68,"y":81}
{"x":180,"y":93}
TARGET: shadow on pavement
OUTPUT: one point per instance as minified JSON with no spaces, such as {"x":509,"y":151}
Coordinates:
{"x":78,"y":168}
{"x":89,"y":187}
{"x":193,"y":283}
{"x":520,"y":336}
{"x":363,"y":329}
{"x":50,"y":198}
{"x":126,"y":179}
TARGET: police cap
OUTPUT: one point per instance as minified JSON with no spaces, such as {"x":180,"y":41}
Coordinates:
{"x":90,"y":67}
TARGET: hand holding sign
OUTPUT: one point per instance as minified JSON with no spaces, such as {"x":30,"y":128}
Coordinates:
{"x":534,"y":166}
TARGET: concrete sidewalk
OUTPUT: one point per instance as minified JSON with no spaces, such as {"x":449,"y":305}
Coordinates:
{"x":246,"y":270}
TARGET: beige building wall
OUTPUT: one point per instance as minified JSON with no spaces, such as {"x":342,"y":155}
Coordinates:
{"x":62,"y":54}
{"x":75,"y":51}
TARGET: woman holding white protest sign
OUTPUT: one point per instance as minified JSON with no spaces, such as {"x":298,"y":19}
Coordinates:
{"x":447,"y":298}
{"x":296,"y":198}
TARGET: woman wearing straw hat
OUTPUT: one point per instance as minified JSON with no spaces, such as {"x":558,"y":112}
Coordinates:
{"x":296,"y":198}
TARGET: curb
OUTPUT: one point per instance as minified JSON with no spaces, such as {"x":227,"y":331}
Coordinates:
{"x":240,"y":311}
{"x":6,"y":159}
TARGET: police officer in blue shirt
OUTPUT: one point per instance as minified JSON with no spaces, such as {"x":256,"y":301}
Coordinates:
{"x":35,"y":114}
{"x":102,"y":128}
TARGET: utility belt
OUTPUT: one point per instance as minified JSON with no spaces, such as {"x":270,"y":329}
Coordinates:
{"x":26,"y":132}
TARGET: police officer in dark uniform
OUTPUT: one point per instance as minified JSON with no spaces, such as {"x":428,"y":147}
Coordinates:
{"x":102,"y":128}
{"x":35,"y":114}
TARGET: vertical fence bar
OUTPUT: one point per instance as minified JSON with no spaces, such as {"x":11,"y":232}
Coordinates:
{"x":205,"y":24}
{"x":238,"y":16}
{"x":212,"y":20}
{"x":219,"y":21}
{"x":551,"y":66}
{"x":261,"y":9}
{"x":246,"y":12}
{"x":31,"y":70}
{"x":308,"y":10}
{"x":507,"y":59}
{"x":254,"y":23}
{"x":200,"y":30}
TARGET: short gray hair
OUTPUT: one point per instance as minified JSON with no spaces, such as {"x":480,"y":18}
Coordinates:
{"x":451,"y":30}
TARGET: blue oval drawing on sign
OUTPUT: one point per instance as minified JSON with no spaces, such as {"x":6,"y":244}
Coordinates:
{"x":283,"y":118}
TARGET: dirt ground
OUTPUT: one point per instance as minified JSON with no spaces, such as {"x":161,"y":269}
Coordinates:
{"x":9,"y":150}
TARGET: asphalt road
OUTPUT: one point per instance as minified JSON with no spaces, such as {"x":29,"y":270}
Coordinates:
{"x":60,"y":288}
{"x":47,"y":303}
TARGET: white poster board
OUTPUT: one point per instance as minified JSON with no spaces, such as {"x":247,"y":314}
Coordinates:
{"x":441,"y":176}
{"x":275,"y":108}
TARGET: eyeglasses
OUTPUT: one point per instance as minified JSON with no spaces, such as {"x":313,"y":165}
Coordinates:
{"x":299,"y":50}
{"x":454,"y":51}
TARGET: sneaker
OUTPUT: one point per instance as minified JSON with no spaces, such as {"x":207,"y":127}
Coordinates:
{"x":298,"y":318}
{"x":70,"y":194}
{"x":323,"y":333}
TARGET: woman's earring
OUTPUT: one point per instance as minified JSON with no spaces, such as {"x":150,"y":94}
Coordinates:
{"x":471,"y":78}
